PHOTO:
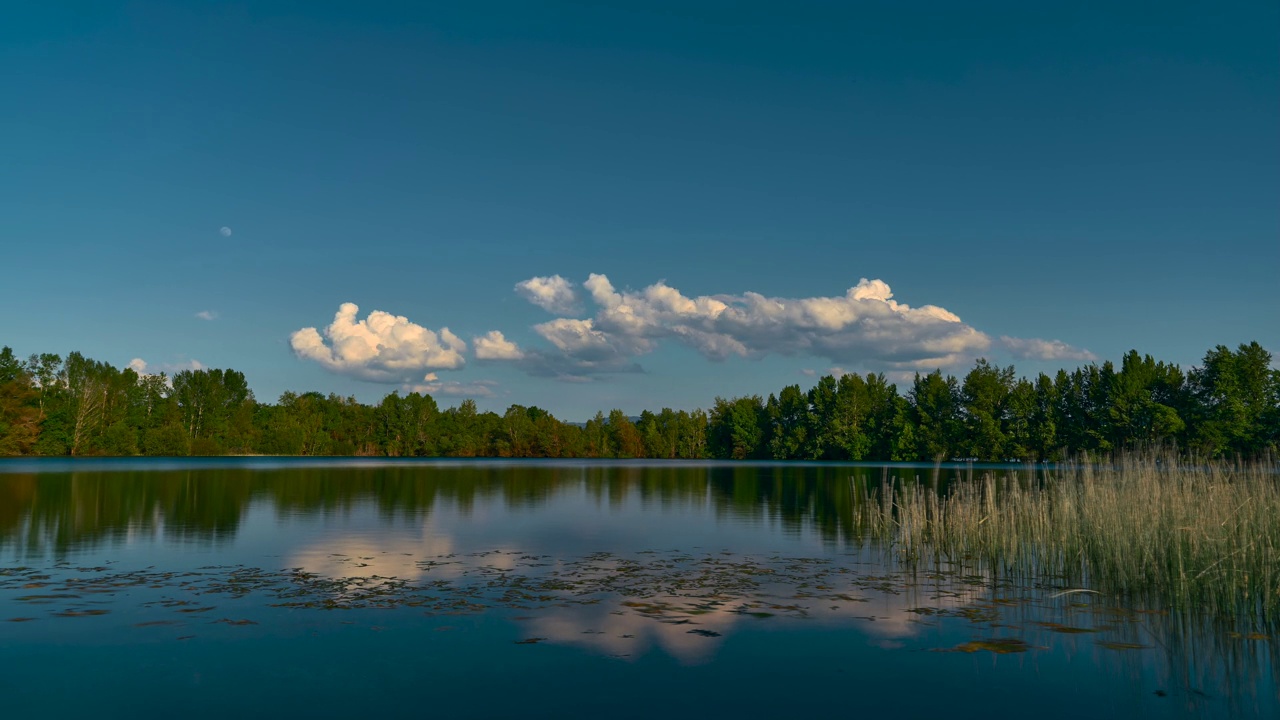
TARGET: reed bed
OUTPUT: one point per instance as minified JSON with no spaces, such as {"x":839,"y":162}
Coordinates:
{"x":1203,"y":536}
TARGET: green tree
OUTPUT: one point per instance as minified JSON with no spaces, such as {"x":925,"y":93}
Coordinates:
{"x":935,"y":415}
{"x":1082,"y":416}
{"x":737,"y":428}
{"x":984,"y":409}
{"x":19,"y":415}
{"x":462,"y":431}
{"x":167,"y":440}
{"x":1236,"y":395}
{"x":45,"y":371}
{"x":693,"y":431}
{"x":788,"y":415}
{"x":519,"y":433}
{"x":884,"y":418}
{"x":624,"y":438}
{"x":1144,"y":401}
{"x":596,"y":438}
{"x":207,"y":401}
{"x":407,"y":425}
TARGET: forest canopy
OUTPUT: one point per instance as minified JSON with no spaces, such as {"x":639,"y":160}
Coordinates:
{"x":1227,"y":406}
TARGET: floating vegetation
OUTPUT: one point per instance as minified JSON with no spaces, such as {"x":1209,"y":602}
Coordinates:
{"x":1000,"y":646}
{"x":81,"y":613}
{"x":609,"y":603}
{"x":1248,"y":636}
{"x":1065,"y":629}
{"x":1117,"y":645}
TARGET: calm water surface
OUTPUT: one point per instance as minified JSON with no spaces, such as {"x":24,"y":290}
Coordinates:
{"x":497,"y":589}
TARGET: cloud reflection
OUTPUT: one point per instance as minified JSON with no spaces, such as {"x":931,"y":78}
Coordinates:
{"x":692,"y":629}
{"x":349,"y":557}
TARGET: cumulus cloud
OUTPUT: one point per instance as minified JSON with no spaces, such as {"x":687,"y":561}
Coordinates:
{"x":1037,"y":349}
{"x":558,"y":365}
{"x":865,"y":326}
{"x":579,"y":352}
{"x":144,"y":368}
{"x":495,"y":346}
{"x":553,"y":294}
{"x":207,"y":315}
{"x":453,"y":388}
{"x":381,"y":348}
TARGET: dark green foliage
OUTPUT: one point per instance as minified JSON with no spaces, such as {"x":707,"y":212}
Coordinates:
{"x":1144,"y":402}
{"x":215,"y":407}
{"x":1237,"y":395}
{"x":986,"y":415}
{"x":935,"y":404}
{"x":788,"y":423}
{"x":673,"y":434}
{"x":738,"y":429}
{"x":1228,"y":407}
{"x":623,"y":436}
{"x":169,"y":440}
{"x":406,"y":426}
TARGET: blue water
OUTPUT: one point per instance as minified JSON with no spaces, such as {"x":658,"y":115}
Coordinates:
{"x":476,"y":589}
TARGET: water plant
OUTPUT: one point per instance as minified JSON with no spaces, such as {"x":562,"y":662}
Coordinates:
{"x":1202,"y":535}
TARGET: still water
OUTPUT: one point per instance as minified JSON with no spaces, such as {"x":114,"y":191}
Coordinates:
{"x":255,"y":587}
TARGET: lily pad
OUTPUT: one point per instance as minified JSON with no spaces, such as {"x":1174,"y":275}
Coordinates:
{"x":1000,"y":646}
{"x":1116,"y":645}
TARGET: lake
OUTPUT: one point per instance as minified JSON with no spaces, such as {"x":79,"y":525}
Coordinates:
{"x":207,"y":588}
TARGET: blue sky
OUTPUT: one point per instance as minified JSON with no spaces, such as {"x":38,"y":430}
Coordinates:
{"x":1097,"y":176}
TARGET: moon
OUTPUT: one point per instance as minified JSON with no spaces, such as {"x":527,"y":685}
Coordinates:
{"x":226,"y":231}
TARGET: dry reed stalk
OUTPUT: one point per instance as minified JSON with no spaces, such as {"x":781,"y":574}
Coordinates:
{"x":1189,"y":535}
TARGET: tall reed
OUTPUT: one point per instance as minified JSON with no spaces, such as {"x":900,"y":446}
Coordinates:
{"x":1187,"y":535}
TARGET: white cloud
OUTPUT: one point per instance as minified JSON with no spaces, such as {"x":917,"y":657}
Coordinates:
{"x":495,"y":346}
{"x":1037,"y":349}
{"x":452,"y":388}
{"x":553,"y":294}
{"x":579,"y":351}
{"x":581,"y":339}
{"x":381,"y":348}
{"x":207,"y":315}
{"x":561,"y":366}
{"x":864,"y":326}
{"x":144,"y":368}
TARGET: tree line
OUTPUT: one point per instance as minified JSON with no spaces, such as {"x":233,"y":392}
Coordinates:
{"x":46,"y":511}
{"x":1227,"y":406}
